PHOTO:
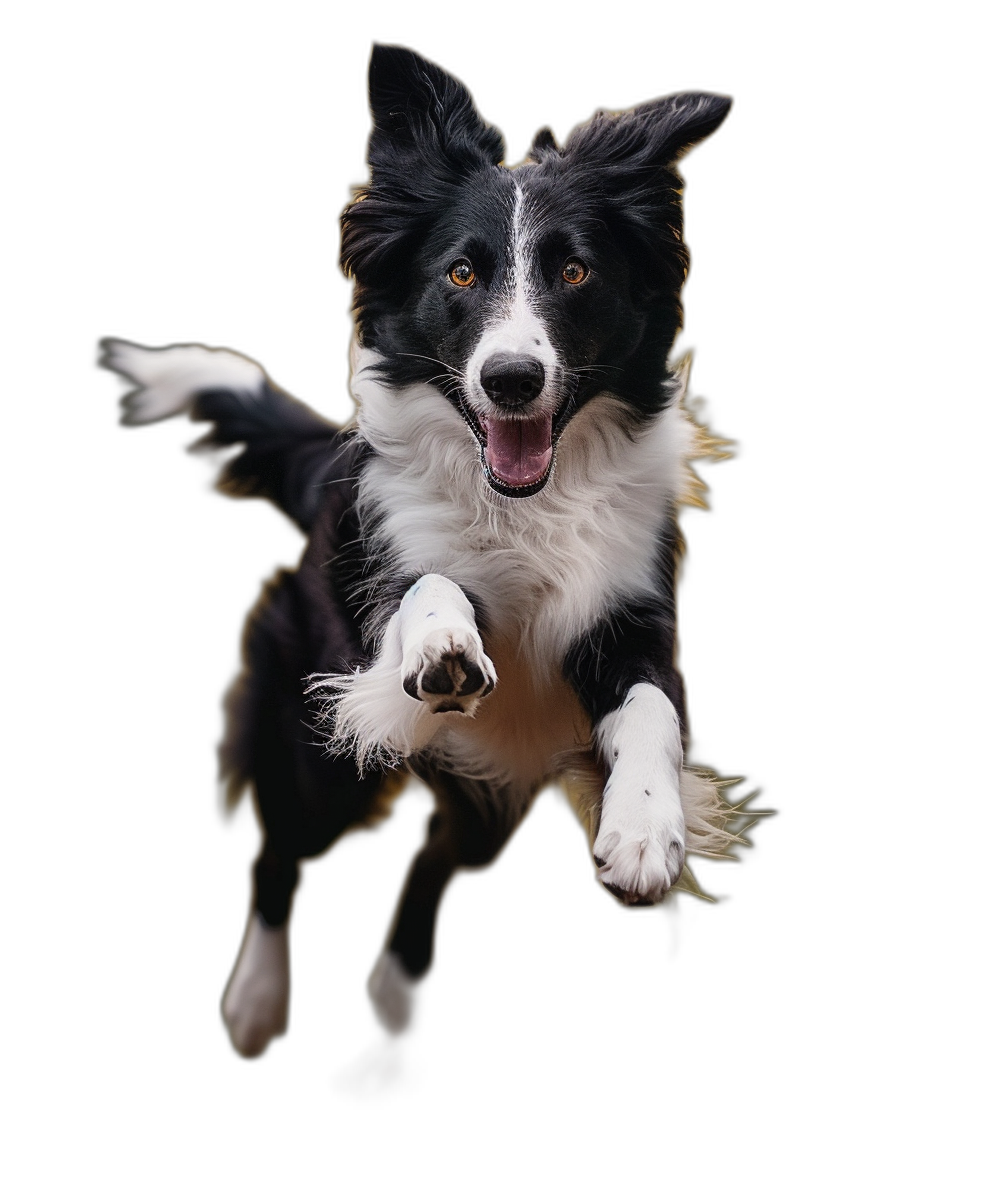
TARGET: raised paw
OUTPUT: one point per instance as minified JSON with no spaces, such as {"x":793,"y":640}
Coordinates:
{"x":639,"y":861}
{"x":448,"y":670}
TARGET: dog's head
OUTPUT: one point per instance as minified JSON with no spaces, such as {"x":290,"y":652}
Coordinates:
{"x":521,"y":292}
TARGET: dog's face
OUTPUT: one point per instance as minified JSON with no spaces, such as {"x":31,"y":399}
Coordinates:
{"x":521,"y":292}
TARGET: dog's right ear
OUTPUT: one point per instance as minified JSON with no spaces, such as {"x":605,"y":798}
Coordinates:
{"x":424,"y":113}
{"x":427,"y":137}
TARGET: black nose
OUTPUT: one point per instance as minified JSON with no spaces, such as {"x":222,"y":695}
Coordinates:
{"x":512,"y":380}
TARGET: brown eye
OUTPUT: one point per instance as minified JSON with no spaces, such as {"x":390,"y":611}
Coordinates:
{"x":462,"y":273}
{"x":574,"y":271}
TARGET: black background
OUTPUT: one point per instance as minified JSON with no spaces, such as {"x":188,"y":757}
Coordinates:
{"x":199,"y":172}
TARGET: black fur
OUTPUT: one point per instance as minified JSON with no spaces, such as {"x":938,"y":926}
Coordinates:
{"x":632,"y":643}
{"x":610,"y":197}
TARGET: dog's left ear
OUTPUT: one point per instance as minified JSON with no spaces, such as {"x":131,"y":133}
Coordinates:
{"x":630,"y":157}
{"x":655,"y":134}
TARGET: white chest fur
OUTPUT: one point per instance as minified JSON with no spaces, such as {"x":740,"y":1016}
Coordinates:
{"x":544,"y":568}
{"x":547,"y":567}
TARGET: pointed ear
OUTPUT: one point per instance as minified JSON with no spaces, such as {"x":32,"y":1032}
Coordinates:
{"x":427,"y":137}
{"x":630,"y":158}
{"x":419,"y":110}
{"x":653,"y":135}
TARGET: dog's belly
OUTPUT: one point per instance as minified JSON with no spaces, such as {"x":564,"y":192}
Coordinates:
{"x":531,"y":728}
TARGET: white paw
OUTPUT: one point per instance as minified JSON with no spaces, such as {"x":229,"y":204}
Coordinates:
{"x":391,"y":991}
{"x":255,"y":1001}
{"x":639,"y":860}
{"x":448,"y":670}
{"x":641,"y":843}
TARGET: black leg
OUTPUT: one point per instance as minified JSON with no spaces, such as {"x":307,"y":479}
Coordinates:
{"x":465,"y":831}
{"x":306,"y":800}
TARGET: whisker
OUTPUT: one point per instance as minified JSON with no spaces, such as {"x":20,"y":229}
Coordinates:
{"x":593,"y":369}
{"x":436,"y":361}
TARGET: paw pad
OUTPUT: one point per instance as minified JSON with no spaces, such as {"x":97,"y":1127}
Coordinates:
{"x":449,"y":672}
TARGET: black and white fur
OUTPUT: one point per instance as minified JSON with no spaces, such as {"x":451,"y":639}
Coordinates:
{"x":487,"y":595}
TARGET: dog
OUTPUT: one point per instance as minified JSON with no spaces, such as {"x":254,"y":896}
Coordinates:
{"x":487,"y":594}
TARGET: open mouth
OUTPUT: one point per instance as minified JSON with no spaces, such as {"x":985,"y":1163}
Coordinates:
{"x":517,"y":454}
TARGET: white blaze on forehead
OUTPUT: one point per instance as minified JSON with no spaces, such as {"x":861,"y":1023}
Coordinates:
{"x":521,"y":263}
{"x":514,"y":325}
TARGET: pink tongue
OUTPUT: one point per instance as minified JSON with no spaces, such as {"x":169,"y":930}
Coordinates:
{"x":518,"y":451}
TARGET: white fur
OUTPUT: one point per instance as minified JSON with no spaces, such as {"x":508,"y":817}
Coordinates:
{"x":516,"y":328}
{"x":256,"y":998}
{"x":437,"y":623}
{"x":546,"y":567}
{"x":169,"y":379}
{"x":370,"y":711}
{"x":641,"y":842}
{"x":391,"y":991}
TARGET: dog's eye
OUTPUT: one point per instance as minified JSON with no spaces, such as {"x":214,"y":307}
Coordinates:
{"x":574,"y":271}
{"x":462,"y":273}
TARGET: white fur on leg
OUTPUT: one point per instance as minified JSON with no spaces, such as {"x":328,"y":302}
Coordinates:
{"x":391,"y":991}
{"x":255,"y":1000}
{"x":443,"y":660}
{"x":641,"y":843}
{"x":169,"y":379}
{"x":371,"y":711}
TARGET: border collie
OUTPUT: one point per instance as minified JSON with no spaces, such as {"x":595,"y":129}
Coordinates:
{"x":487,"y":594}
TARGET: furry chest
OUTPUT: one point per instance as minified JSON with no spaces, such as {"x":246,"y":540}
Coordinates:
{"x":530,"y":729}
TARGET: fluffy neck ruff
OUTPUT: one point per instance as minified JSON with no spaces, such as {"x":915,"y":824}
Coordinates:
{"x":545,"y":567}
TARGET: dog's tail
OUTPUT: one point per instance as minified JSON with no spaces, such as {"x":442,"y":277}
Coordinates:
{"x":290,"y":452}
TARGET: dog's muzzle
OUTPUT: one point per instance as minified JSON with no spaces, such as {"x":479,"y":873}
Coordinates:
{"x":517,"y":442}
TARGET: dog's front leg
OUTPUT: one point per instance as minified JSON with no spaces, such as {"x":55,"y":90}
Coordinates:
{"x":641,"y":842}
{"x":624,"y":676}
{"x":430,"y":662}
{"x":443,"y":662}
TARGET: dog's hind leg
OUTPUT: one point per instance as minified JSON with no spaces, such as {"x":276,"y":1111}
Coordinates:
{"x":303,"y":812}
{"x":306,"y":799}
{"x":257,"y":996}
{"x":466,"y":830}
{"x":430,"y":664}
